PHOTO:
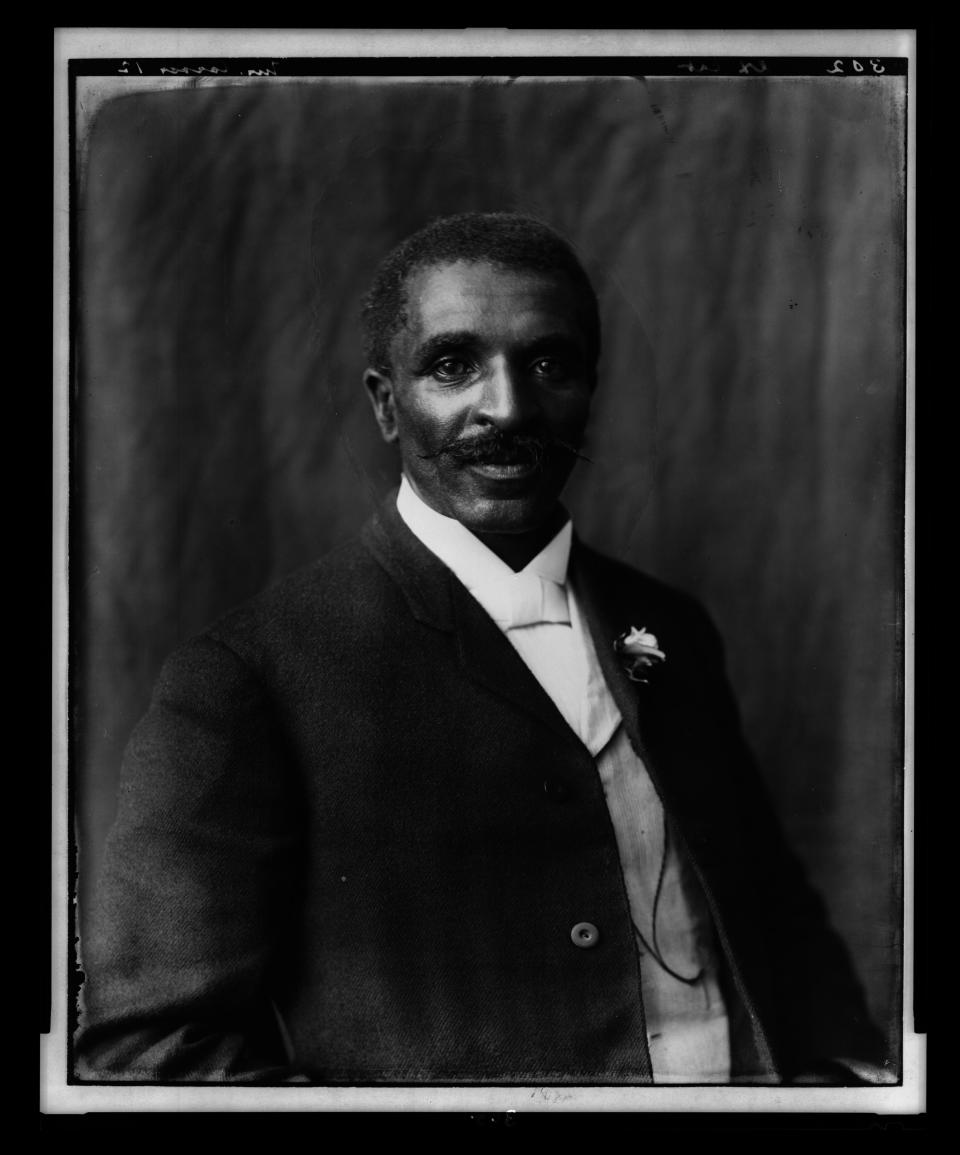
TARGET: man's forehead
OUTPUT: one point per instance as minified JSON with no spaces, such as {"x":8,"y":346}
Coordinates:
{"x":459,"y":293}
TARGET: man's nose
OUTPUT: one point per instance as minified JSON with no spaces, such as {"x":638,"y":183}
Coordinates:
{"x":508,"y":400}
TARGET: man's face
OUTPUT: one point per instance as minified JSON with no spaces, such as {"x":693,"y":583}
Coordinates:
{"x":488,"y":394}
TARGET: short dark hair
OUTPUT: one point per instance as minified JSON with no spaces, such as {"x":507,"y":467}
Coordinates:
{"x":509,"y":240}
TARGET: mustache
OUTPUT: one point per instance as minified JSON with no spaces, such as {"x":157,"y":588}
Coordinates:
{"x":502,"y":448}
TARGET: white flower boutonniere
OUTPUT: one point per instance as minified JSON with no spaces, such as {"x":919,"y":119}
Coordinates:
{"x":640,"y":652}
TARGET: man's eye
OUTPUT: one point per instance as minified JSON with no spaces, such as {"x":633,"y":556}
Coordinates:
{"x":550,"y":367}
{"x":449,"y":368}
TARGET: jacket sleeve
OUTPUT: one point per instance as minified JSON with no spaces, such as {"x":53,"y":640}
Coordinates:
{"x":196,"y":885}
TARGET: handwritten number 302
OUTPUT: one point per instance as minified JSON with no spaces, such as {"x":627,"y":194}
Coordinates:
{"x":857,"y":67}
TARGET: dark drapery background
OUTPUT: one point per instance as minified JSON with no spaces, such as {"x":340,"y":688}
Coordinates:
{"x":746,"y":240}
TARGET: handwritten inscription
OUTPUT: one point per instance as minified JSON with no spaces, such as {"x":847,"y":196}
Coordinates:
{"x":127,"y":66}
{"x":748,"y":68}
{"x":838,"y":69}
{"x":203,"y":70}
{"x":691,"y":67}
{"x":550,"y":1095}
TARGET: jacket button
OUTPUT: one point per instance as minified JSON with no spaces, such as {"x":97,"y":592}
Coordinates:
{"x":556,"y":789}
{"x":585,"y":934}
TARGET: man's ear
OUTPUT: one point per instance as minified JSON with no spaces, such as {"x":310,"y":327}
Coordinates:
{"x":380,"y":389}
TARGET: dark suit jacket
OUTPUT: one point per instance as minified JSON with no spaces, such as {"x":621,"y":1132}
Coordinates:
{"x":354,"y":834}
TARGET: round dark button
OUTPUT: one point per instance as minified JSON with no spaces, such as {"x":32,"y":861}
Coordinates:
{"x":556,"y":789}
{"x":585,"y":934}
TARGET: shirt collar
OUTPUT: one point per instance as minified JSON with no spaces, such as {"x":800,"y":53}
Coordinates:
{"x":471,"y":561}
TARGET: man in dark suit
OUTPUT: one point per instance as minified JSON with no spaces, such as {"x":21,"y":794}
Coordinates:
{"x":464,"y":801}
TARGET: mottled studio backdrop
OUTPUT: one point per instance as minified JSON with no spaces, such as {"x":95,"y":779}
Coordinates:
{"x":745,"y":237}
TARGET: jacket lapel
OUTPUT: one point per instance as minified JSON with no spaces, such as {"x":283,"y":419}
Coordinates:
{"x":659,"y":726}
{"x":487,"y":657}
{"x":606,"y":619}
{"x":436,"y":598}
{"x":655,"y":715}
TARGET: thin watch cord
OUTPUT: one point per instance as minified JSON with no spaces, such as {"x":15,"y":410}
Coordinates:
{"x":654,"y":950}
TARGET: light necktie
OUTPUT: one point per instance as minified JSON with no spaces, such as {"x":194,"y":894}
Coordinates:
{"x":526,"y":599}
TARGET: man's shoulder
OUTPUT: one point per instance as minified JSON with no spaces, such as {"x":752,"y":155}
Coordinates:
{"x":617,"y":581}
{"x":331,"y":594}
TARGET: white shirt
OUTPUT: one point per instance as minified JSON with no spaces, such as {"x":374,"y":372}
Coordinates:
{"x":687,"y":1026}
{"x":560,"y":656}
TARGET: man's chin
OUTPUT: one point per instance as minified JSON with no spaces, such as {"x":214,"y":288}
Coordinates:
{"x":506,"y":515}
